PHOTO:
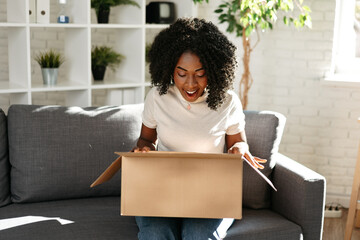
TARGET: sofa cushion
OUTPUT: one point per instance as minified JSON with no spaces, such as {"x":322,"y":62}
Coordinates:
{"x":263,"y":224}
{"x":4,"y":162}
{"x":99,"y":218}
{"x":89,"y":218}
{"x":263,"y":131}
{"x":57,"y":152}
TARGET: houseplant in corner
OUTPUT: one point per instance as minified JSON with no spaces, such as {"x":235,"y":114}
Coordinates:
{"x":50,"y":61}
{"x":102,"y":7}
{"x":102,"y":57}
{"x":243,"y":17}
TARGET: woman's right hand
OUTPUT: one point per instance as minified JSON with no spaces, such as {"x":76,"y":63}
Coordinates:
{"x":143,"y":149}
{"x":146,"y":141}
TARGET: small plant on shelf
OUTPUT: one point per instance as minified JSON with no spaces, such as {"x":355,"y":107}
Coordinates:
{"x":102,"y":57}
{"x":102,"y":7}
{"x":49,"y":62}
{"x":49,"y":59}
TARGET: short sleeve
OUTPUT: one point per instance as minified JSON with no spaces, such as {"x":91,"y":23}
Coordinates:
{"x":148,"y":116}
{"x":236,"y":116}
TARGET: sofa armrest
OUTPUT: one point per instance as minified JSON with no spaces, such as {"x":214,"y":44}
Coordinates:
{"x":300,"y":196}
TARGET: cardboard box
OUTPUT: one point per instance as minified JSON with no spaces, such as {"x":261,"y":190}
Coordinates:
{"x":173,"y":184}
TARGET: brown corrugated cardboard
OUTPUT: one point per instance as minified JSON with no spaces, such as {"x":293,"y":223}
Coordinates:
{"x":172,"y":184}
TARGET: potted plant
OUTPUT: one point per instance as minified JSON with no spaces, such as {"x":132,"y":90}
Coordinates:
{"x":102,"y":7}
{"x":49,"y":61}
{"x":102,"y":57}
{"x":244,"y":17}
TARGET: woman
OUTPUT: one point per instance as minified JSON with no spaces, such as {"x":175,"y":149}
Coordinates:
{"x":191,"y":109}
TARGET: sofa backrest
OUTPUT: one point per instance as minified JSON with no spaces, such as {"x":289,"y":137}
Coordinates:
{"x":57,"y":152}
{"x":4,"y":162}
{"x":264,"y":130}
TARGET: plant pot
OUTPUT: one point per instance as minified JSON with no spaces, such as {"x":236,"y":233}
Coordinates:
{"x":98,"y":72}
{"x":50,"y":76}
{"x":103,"y":14}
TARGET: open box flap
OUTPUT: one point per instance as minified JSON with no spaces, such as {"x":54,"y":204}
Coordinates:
{"x":165,"y":154}
{"x":108,"y":173}
{"x":116,"y":165}
{"x":260,"y":173}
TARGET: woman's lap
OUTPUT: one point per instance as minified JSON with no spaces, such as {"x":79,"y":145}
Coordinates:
{"x":182,"y":228}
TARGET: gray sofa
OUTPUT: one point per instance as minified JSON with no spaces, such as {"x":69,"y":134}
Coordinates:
{"x":49,"y":156}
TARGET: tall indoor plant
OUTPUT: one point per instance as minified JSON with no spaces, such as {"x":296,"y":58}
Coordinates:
{"x":49,"y":61}
{"x":244,"y":17}
{"x":103,"y":57}
{"x":102,"y":7}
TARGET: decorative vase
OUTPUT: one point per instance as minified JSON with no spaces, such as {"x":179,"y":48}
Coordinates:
{"x":98,"y":72}
{"x":103,"y":14}
{"x":50,"y":76}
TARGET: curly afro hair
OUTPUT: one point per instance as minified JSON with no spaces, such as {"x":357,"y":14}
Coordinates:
{"x":216,"y":53}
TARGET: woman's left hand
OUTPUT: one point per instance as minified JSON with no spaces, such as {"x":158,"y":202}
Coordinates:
{"x":242,"y":148}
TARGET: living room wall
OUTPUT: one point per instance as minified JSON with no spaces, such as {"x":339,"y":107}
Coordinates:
{"x":288,"y":66}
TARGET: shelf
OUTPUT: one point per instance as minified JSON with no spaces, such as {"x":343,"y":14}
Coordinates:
{"x":115,"y":84}
{"x":60,"y":86}
{"x":118,"y":96}
{"x":57,"y":25}
{"x":127,"y":33}
{"x":2,"y":24}
{"x":6,"y":87}
{"x":116,"y":26}
{"x":156,"y":26}
{"x":123,"y":14}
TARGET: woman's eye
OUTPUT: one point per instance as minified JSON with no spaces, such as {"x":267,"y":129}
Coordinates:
{"x":181,"y":75}
{"x":201,"y":75}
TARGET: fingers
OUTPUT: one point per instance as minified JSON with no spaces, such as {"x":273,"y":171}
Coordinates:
{"x":260,"y":160}
{"x":143,"y":149}
{"x":253,"y":161}
{"x":234,"y":150}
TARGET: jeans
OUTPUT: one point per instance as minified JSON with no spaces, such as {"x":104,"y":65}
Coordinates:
{"x":162,"y":228}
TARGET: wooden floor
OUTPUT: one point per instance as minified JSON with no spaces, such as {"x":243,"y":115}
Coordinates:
{"x":334,"y":228}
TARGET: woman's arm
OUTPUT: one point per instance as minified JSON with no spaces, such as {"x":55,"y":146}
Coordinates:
{"x":236,"y":144}
{"x":147,"y":140}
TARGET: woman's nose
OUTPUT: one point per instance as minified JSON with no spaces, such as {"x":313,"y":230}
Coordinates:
{"x":191,"y":81}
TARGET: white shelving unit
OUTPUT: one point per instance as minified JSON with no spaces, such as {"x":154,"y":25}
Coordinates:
{"x":127,"y":32}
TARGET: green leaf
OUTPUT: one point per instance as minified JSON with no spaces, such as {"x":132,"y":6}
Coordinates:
{"x":252,"y":14}
{"x":200,"y":1}
{"x":49,"y":59}
{"x":248,"y":30}
{"x":286,"y":21}
{"x":105,"y":56}
{"x":308,"y":21}
{"x":306,"y":9}
{"x":244,"y":22}
{"x":270,"y":25}
{"x":111,"y":3}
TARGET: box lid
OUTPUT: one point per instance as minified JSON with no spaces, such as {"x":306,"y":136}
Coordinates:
{"x":116,"y":165}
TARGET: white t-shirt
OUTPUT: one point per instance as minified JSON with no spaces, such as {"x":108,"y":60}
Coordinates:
{"x":192,"y":126}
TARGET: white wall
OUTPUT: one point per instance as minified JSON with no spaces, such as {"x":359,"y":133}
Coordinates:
{"x":288,"y":65}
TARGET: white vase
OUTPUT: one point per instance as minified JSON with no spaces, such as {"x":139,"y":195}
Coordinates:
{"x":50,"y":76}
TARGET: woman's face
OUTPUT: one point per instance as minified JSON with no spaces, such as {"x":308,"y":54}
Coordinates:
{"x":190,"y":77}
